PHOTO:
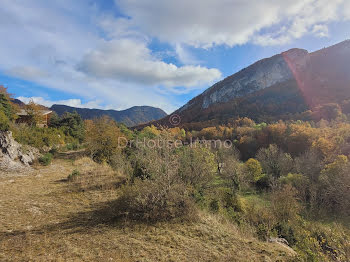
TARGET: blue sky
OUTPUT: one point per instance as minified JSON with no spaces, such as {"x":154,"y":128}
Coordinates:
{"x":114,"y":54}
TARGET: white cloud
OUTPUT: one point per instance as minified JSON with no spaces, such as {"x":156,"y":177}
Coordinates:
{"x":346,"y":10}
{"x":67,"y":102}
{"x":320,"y":30}
{"x":47,"y":41}
{"x":26,"y":72}
{"x":184,"y":56}
{"x":203,"y":23}
{"x":131,"y":60}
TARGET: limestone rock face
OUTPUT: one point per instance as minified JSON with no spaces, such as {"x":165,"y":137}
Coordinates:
{"x":13,"y":155}
{"x":260,"y":75}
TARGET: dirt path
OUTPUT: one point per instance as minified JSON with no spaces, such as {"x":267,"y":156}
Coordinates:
{"x":29,"y":200}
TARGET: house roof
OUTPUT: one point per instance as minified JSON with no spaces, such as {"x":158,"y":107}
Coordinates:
{"x":23,"y":112}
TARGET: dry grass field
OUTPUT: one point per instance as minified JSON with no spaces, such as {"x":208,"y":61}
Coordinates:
{"x":44,"y":218}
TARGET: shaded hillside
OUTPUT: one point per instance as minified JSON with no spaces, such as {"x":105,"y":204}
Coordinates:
{"x":133,"y":116}
{"x":275,"y":88}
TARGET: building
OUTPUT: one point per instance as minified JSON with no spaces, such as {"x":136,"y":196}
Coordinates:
{"x":25,"y":118}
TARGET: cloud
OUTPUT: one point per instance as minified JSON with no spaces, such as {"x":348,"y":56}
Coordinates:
{"x":26,"y":72}
{"x":131,"y":61}
{"x":320,"y":30}
{"x":55,"y":44}
{"x":346,"y":10}
{"x":184,"y":56}
{"x":203,"y":23}
{"x":67,"y":102}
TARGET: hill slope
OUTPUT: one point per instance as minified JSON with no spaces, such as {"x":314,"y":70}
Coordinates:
{"x":42,"y":220}
{"x":133,"y":116}
{"x":275,"y":88}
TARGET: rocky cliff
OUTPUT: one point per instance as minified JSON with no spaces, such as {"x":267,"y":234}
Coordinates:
{"x":13,"y":156}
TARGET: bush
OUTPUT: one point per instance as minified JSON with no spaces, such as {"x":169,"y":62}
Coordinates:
{"x":274,"y":162}
{"x":46,"y":159}
{"x":156,"y":191}
{"x":230,"y":200}
{"x":284,"y":204}
{"x":89,"y":175}
{"x":160,"y":199}
{"x":103,"y":138}
{"x":197,"y":166}
{"x":71,"y":124}
{"x":253,"y":169}
{"x":285,"y":231}
{"x":38,"y":137}
{"x":214,"y":206}
{"x":4,"y":122}
{"x":74,"y":175}
{"x":263,"y":182}
{"x":53,"y":150}
{"x":72,"y":146}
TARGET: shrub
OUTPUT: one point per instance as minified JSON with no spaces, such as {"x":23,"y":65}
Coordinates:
{"x":286,"y":231}
{"x":274,"y":162}
{"x":38,"y":137}
{"x":93,"y":176}
{"x":284,"y":204}
{"x":74,"y":175}
{"x":253,"y":169}
{"x":71,"y":124}
{"x":230,"y":200}
{"x":231,"y":168}
{"x":120,"y":164}
{"x":102,"y":137}
{"x":46,"y":159}
{"x":5,"y":105}
{"x":160,"y":199}
{"x":214,"y":206}
{"x":53,"y":150}
{"x":197,"y":166}
{"x":299,"y":182}
{"x":156,"y":192}
{"x":334,"y":183}
{"x":263,"y":182}
{"x":4,"y":122}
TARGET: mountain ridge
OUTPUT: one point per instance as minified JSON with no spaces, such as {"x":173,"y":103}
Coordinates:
{"x":130,"y":117}
{"x":273,"y":88}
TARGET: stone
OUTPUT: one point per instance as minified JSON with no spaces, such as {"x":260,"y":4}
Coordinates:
{"x":14,"y":156}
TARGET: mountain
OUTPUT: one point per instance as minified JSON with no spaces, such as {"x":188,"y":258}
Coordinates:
{"x":133,"y":116}
{"x":18,"y":102}
{"x":284,"y":86}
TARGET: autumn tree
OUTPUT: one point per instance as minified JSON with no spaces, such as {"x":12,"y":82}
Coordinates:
{"x":104,"y":138}
{"x":253,"y":169}
{"x":197,"y":166}
{"x":6,"y":109}
{"x":230,"y":167}
{"x":274,"y":161}
{"x":33,"y":111}
{"x":334,"y":197}
{"x":285,"y":204}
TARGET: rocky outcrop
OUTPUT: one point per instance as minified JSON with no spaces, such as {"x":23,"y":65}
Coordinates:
{"x":14,"y":156}
{"x":261,"y":75}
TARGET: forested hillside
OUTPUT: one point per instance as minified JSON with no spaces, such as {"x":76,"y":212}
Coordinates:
{"x":130,"y":117}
